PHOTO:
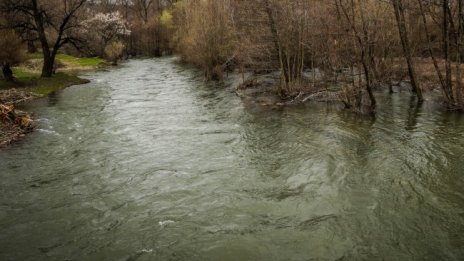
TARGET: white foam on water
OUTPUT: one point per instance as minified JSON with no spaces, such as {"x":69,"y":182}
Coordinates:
{"x":51,"y":132}
{"x":165,"y":223}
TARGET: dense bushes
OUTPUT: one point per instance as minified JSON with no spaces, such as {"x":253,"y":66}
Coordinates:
{"x":11,"y":52}
{"x":359,"y":43}
{"x":205,"y":35}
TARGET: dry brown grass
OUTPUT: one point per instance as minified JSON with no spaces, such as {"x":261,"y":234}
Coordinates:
{"x":13,"y":124}
{"x":428,"y":75}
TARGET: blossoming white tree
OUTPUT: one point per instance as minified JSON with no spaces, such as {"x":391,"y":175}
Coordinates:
{"x":104,"y":28}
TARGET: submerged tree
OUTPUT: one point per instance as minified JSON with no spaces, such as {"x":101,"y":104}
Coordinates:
{"x":444,"y":41}
{"x":354,"y":14}
{"x":404,"y":36}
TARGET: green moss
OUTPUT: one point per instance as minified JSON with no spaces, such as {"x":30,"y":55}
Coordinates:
{"x":59,"y":81}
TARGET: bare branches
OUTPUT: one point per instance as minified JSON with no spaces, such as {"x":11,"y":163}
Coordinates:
{"x":35,"y":17}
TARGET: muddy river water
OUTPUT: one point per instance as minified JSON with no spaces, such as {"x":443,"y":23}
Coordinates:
{"x":147,"y":162}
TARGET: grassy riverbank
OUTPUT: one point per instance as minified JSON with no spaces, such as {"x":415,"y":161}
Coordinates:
{"x":29,"y":85}
{"x":28,"y":77}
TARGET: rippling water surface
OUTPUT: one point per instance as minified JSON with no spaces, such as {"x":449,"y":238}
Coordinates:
{"x":147,"y":162}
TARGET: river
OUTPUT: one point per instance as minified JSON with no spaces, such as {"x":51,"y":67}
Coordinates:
{"x":148,"y":162}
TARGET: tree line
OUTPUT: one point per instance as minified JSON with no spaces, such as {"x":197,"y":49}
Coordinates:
{"x":105,"y":28}
{"x":358,"y":45}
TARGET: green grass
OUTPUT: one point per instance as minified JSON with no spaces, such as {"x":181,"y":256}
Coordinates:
{"x":24,"y":78}
{"x":34,"y":84}
{"x":71,"y":60}
{"x":77,"y":61}
{"x":30,"y":56}
{"x":59,"y":81}
{"x":4,"y":85}
{"x":23,"y":75}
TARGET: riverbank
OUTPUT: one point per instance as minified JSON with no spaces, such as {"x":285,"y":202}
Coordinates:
{"x":263,"y":89}
{"x":14,"y":124}
{"x":315,"y":86}
{"x":29,"y":85}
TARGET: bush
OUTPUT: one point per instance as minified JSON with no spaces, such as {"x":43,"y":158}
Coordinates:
{"x":114,"y":51}
{"x":11,"y":52}
{"x":205,"y":35}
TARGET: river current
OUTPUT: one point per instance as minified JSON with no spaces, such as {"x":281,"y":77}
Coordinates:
{"x":148,"y":162}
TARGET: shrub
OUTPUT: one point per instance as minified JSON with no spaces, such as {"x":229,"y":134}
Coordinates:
{"x":11,"y":52}
{"x":114,"y":51}
{"x":205,"y":35}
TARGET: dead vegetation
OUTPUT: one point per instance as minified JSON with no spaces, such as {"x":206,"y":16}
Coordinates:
{"x":14,"y":124}
{"x":14,"y":96}
{"x":361,"y":46}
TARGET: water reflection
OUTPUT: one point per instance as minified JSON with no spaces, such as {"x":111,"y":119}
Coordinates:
{"x":53,"y":98}
{"x":413,"y":113}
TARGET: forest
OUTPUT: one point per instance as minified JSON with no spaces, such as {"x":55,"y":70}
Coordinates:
{"x":359,"y":46}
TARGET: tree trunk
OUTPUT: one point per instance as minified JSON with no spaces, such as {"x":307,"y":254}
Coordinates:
{"x":48,"y":65}
{"x":49,"y":57}
{"x":429,"y":47}
{"x":368,"y":81}
{"x":366,"y":60}
{"x":277,"y":45}
{"x":446,"y":48}
{"x":31,"y":48}
{"x":7,"y":73}
{"x":459,"y":37}
{"x":400,"y":21}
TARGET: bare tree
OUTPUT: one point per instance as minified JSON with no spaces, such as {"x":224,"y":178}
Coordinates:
{"x":53,"y":22}
{"x":404,"y":36}
{"x":351,"y":12}
{"x":277,"y":44}
{"x":142,"y":7}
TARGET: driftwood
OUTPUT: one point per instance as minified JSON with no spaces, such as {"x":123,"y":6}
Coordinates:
{"x":13,"y":124}
{"x":321,"y":96}
{"x":8,"y":115}
{"x":248,"y":84}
